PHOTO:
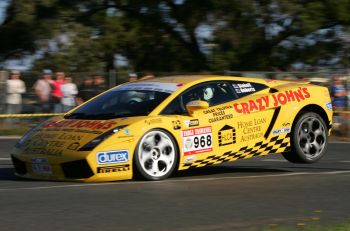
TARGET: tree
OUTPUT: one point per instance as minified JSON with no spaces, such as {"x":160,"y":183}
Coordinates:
{"x":163,"y":35}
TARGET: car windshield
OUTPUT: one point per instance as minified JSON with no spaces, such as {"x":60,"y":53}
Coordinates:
{"x":120,"y":103}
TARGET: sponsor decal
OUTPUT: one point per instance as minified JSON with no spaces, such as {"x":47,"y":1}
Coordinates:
{"x":287,"y":124}
{"x":197,"y":140}
{"x":113,"y":157}
{"x":115,"y":168}
{"x":42,"y":143}
{"x":219,"y":113}
{"x":40,"y":146}
{"x":280,"y":131}
{"x":241,"y":88}
{"x":329,"y":106}
{"x":87,"y":124}
{"x":41,"y":166}
{"x":39,"y":160}
{"x":277,"y":99}
{"x":227,"y":135}
{"x":74,"y":146}
{"x":190,"y":159}
{"x":176,"y":124}
{"x":43,"y":151}
{"x":67,"y":136}
{"x":251,"y":129}
{"x":127,"y":132}
{"x":191,"y":123}
{"x":153,"y":121}
{"x":150,"y":86}
{"x":188,"y":143}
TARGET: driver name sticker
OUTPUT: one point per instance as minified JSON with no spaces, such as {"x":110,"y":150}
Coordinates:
{"x":197,"y":140}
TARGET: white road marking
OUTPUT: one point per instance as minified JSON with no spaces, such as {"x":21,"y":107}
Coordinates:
{"x":5,"y":158}
{"x":273,"y":160}
{"x":180,"y":180}
{"x":10,"y":137}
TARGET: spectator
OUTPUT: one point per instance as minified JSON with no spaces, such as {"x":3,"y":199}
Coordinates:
{"x":147,"y":75}
{"x":338,"y":94}
{"x":57,"y":92}
{"x":43,"y":90}
{"x":132,"y":77}
{"x":69,"y":91}
{"x":86,"y":90}
{"x":15,"y":87}
{"x":99,"y":84}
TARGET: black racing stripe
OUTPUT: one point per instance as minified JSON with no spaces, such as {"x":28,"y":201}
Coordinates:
{"x":273,"y":121}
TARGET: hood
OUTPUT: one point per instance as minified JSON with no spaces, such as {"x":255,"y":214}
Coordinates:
{"x":59,"y":136}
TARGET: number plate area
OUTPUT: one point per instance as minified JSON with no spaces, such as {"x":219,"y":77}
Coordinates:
{"x":197,"y":140}
{"x":41,"y":166}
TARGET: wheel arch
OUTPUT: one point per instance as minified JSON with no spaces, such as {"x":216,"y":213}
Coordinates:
{"x":316,"y":109}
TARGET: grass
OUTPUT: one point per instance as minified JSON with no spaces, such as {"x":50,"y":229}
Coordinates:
{"x":304,"y":227}
{"x":13,"y":129}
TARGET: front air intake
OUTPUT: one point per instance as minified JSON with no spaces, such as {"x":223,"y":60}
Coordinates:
{"x":78,"y":169}
{"x":20,"y":166}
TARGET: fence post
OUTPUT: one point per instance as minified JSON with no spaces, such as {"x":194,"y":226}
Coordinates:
{"x":112,"y":78}
{"x":3,"y":78}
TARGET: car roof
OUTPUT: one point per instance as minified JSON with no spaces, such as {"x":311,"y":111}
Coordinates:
{"x":195,"y":79}
{"x":185,"y":79}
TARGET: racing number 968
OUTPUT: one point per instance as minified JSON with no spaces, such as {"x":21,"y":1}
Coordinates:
{"x":202,"y":141}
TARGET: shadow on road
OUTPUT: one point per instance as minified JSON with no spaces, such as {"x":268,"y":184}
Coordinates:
{"x":217,"y":170}
{"x":7,"y":174}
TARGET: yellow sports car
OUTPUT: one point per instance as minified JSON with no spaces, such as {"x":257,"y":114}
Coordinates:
{"x":153,"y":127}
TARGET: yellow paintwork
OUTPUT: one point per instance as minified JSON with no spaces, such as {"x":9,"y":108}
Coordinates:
{"x":225,"y":121}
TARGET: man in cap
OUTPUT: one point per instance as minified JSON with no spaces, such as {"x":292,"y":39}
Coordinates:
{"x":43,"y":90}
{"x":132,"y":77}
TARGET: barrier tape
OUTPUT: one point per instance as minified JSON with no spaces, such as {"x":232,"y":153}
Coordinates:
{"x":344,"y":112}
{"x":58,"y":114}
{"x":29,"y":115}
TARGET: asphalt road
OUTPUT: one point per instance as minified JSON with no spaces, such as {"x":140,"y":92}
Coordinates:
{"x":247,"y":194}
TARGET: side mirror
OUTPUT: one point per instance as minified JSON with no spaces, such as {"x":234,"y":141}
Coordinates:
{"x":196,"y":105}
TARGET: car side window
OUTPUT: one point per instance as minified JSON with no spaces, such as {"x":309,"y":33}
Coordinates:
{"x":214,"y":93}
{"x":173,"y":108}
{"x":243,"y":88}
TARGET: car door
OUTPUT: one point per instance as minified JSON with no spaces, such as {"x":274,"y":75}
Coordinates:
{"x":205,"y":132}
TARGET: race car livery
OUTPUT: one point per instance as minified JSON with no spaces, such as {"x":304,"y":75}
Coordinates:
{"x":154,"y":127}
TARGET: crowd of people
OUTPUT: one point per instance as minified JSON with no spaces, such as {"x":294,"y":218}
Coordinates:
{"x":55,"y":92}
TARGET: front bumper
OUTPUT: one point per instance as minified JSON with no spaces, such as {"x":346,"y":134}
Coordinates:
{"x":76,"y":170}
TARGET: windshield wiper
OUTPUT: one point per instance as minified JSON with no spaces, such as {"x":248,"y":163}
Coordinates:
{"x":77,"y":115}
{"x":97,"y":116}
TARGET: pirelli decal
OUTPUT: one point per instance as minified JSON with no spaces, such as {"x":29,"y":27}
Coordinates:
{"x":114,"y":168}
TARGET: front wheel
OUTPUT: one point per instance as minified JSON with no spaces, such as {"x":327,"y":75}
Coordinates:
{"x":156,"y":155}
{"x":308,"y":139}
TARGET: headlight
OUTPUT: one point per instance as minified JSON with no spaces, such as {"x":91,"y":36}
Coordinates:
{"x":27,"y":135}
{"x":93,"y":143}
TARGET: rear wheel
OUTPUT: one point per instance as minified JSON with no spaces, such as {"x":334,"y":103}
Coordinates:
{"x":156,"y":155}
{"x":308,"y":139}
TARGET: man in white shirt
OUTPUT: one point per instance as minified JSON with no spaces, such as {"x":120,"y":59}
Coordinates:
{"x":69,"y":91}
{"x":15,"y":87}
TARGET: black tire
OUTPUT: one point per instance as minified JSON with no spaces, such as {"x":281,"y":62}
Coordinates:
{"x":156,"y":155}
{"x":309,"y":139}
